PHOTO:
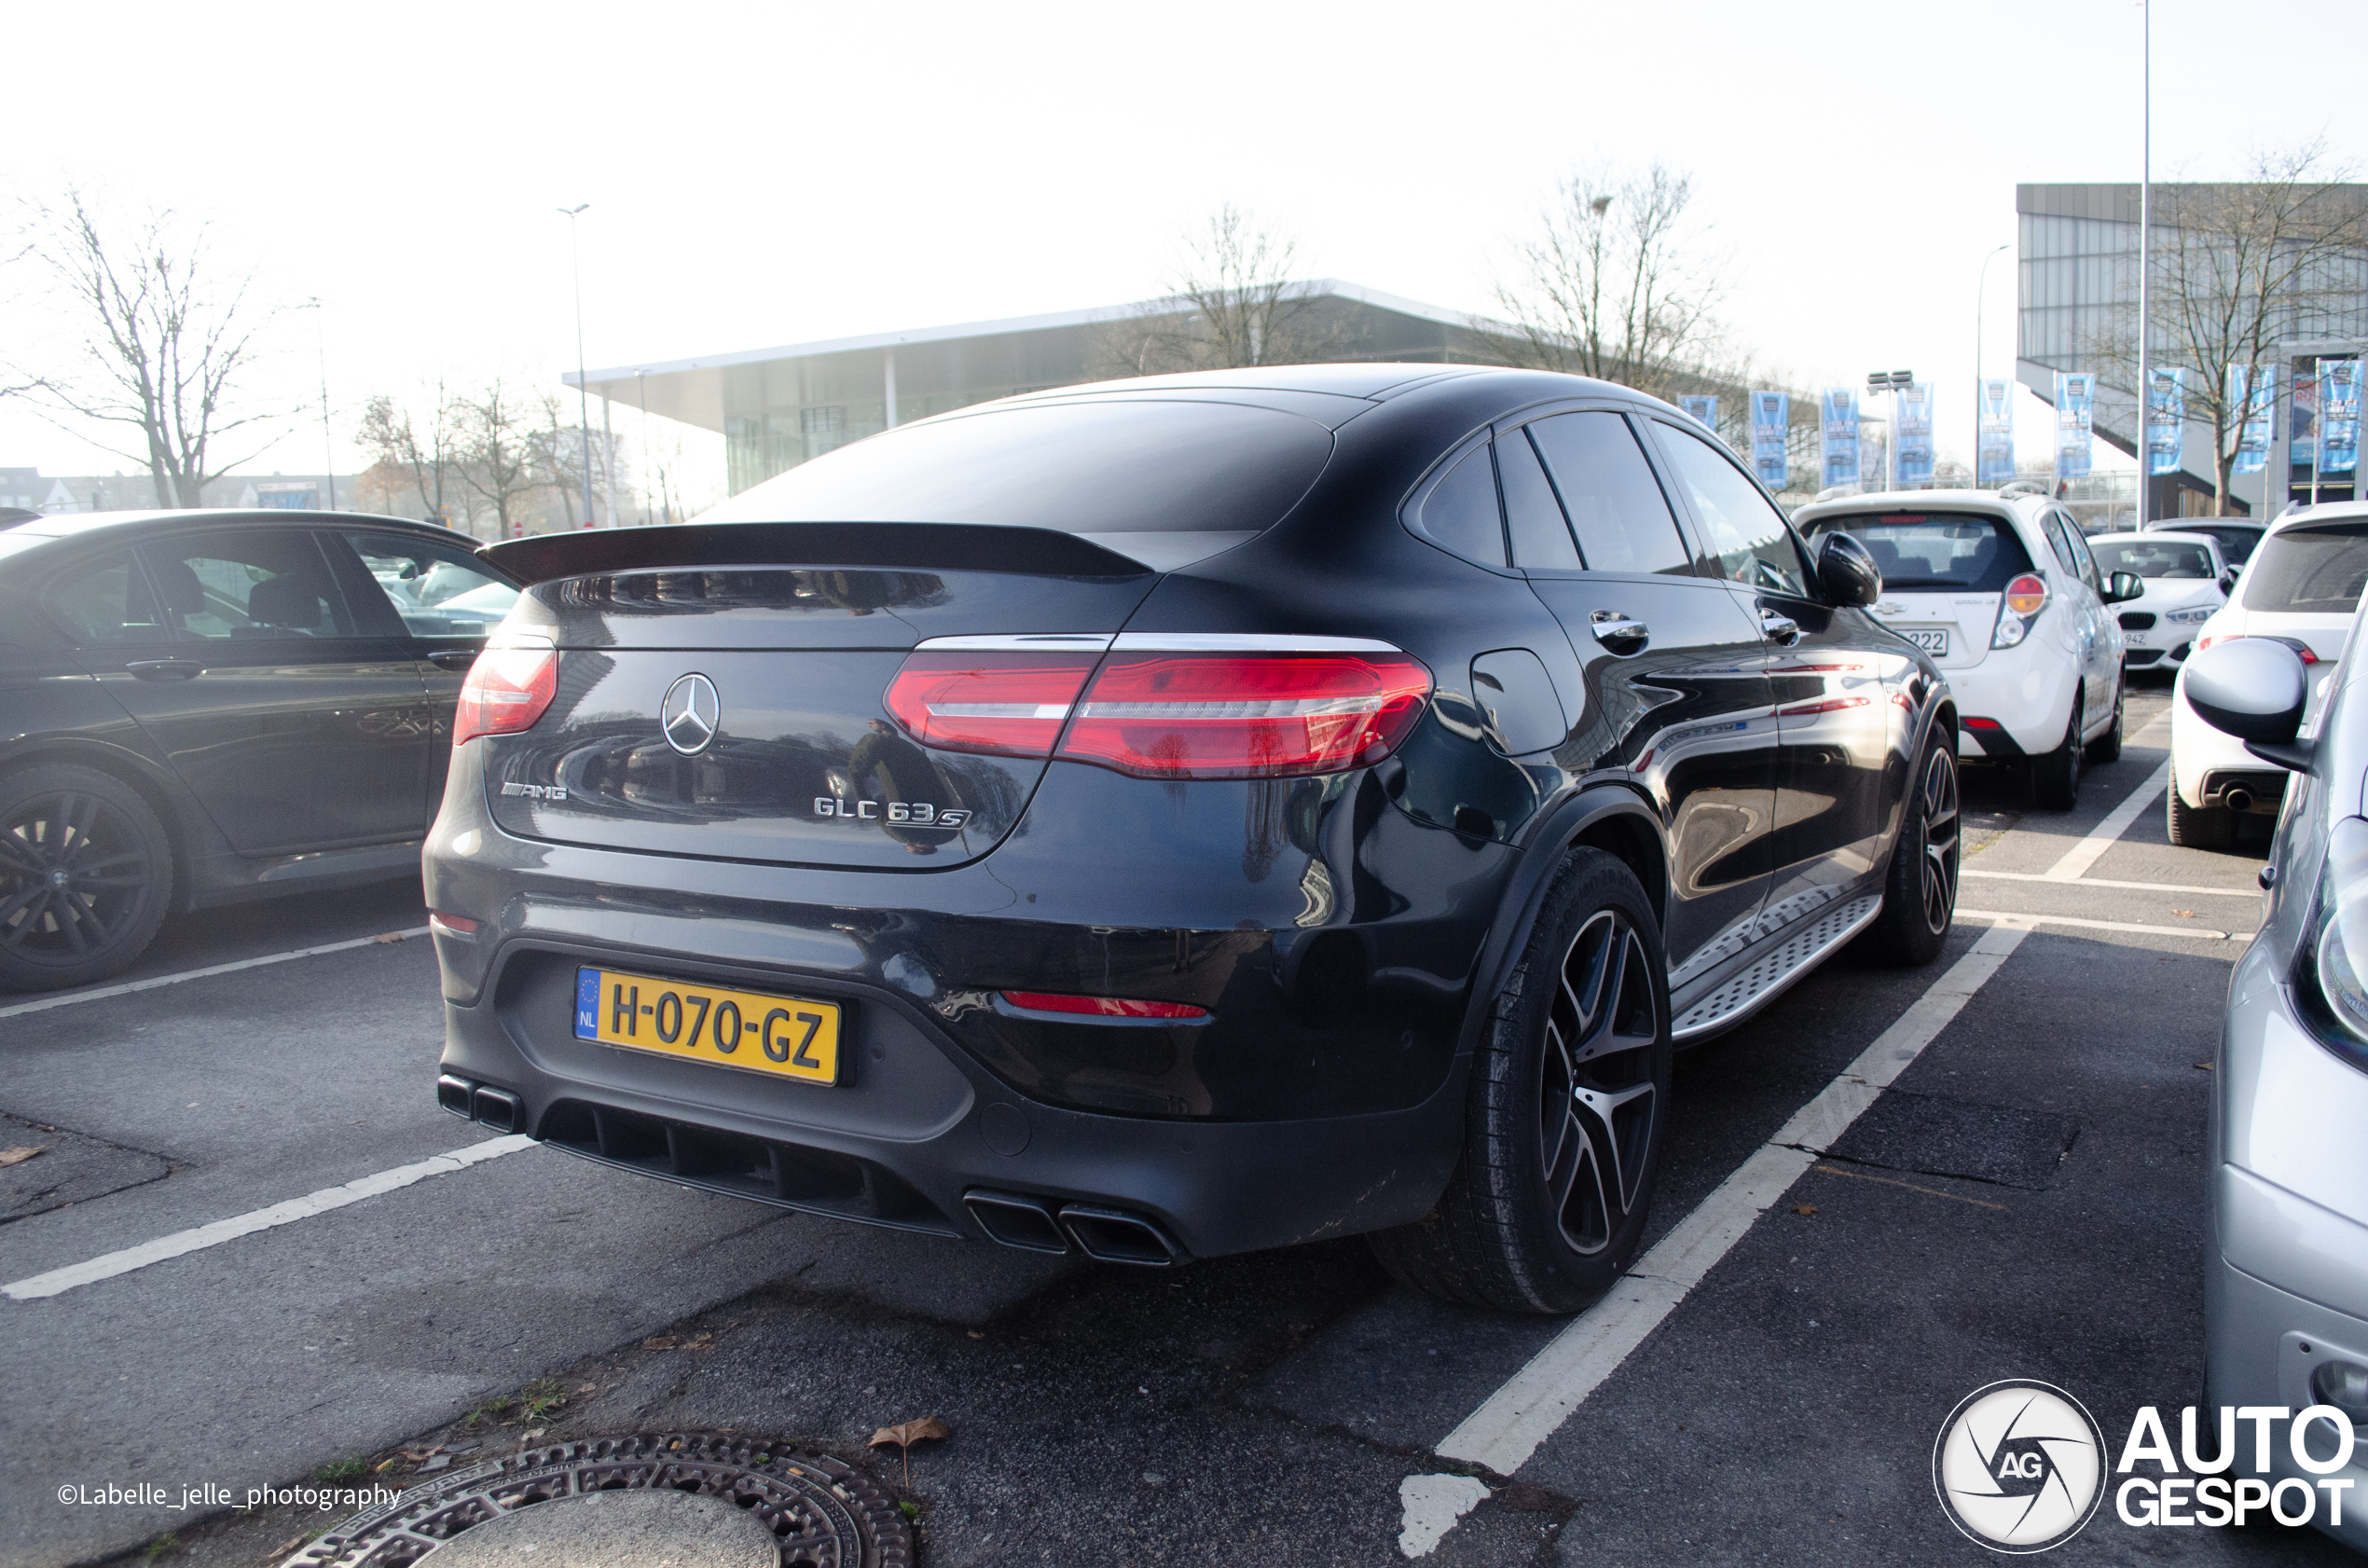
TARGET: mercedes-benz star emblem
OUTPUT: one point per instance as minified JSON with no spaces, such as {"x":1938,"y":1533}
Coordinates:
{"x":691,"y":714}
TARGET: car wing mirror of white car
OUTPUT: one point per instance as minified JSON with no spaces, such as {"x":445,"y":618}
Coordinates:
{"x":2123,"y":587}
{"x":2252,"y":688}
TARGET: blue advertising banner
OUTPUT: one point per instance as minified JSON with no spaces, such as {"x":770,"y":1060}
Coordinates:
{"x":2338,"y":416}
{"x":2166,"y":420}
{"x":1837,"y":421}
{"x":1995,"y":464}
{"x":1702,"y":408}
{"x":2076,"y":413}
{"x":1915,"y":460}
{"x":1771,"y":418}
{"x":2254,"y":388}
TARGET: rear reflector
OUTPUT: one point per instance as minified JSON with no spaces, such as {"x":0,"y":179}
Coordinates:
{"x":508,"y":690}
{"x":1246,"y":715}
{"x":1101,"y":1006}
{"x":1983,"y":724}
{"x":451,"y":924}
{"x":1009,"y":704}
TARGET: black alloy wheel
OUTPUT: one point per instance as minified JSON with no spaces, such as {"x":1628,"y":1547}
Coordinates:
{"x":86,"y":874}
{"x":2054,"y":775}
{"x":1568,"y":1111}
{"x":1920,"y":894}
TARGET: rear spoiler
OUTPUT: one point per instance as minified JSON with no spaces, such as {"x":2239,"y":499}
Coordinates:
{"x":546,"y":557}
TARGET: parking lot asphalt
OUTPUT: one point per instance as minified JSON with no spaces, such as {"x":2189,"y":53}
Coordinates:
{"x":2024,"y":1200}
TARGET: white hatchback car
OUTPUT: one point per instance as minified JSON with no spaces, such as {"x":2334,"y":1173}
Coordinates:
{"x":2003,"y":594}
{"x":2186,"y":580}
{"x":2300,"y":587}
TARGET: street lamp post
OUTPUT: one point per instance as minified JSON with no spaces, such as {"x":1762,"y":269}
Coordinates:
{"x":1894,"y":382}
{"x":1981,"y":388}
{"x":328,"y":436}
{"x":2145,"y":254}
{"x":583,"y":397}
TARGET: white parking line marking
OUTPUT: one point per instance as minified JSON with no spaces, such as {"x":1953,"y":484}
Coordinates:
{"x":2109,"y":881}
{"x":100,"y":993}
{"x":1508,"y":1427}
{"x":2205,"y":932}
{"x":108,"y":1266}
{"x":2101,"y":837}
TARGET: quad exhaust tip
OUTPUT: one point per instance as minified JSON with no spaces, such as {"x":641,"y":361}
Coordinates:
{"x":1105,"y":1235}
{"x":496,"y":1109}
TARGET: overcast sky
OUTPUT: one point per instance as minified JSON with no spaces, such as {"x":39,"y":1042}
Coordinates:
{"x":774,"y":174}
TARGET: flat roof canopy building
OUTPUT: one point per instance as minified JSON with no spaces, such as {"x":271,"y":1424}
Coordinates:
{"x":778,"y":407}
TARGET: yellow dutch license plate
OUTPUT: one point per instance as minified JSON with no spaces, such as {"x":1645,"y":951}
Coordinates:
{"x":790,"y":1035}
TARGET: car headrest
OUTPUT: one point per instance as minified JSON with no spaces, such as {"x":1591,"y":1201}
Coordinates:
{"x":179,"y":587}
{"x":291,"y":600}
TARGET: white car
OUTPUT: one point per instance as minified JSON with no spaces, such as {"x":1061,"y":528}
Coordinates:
{"x":2003,"y":594}
{"x":2186,"y":580}
{"x":2300,"y":587}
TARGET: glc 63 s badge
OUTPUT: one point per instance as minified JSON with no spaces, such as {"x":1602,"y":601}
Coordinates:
{"x":920,"y":814}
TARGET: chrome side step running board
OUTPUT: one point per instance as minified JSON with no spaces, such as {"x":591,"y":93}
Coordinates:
{"x":1760,"y":981}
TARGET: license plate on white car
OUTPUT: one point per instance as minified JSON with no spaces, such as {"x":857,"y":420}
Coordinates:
{"x":1932,"y":639}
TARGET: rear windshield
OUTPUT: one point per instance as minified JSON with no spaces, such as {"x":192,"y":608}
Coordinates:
{"x":2309,"y":572}
{"x":1164,"y":483}
{"x":1932,"y":549}
{"x":2151,"y":557}
{"x":2236,"y":545}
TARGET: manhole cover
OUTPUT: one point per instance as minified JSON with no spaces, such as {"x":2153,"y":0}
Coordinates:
{"x":819,"y":1512}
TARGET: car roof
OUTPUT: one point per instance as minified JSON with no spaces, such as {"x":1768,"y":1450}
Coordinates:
{"x":2015,"y":506}
{"x":2176,"y":536}
{"x":2173,"y":525}
{"x":2325,"y":512}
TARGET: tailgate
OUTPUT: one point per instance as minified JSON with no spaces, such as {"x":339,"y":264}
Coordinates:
{"x":1953,"y":627}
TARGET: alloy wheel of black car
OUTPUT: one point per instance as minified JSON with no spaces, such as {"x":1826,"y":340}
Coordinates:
{"x":85,"y":876}
{"x":2055,"y":777}
{"x":1568,"y":1111}
{"x":1919,"y":895}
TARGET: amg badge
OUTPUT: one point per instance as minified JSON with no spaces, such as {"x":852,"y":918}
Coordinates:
{"x":919,"y":814}
{"x":537,"y":791}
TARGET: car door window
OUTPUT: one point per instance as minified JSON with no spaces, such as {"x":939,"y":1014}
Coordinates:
{"x":1533,"y":518}
{"x":1746,"y":537}
{"x":2059,"y":540}
{"x":1460,"y":514}
{"x":1622,"y":520}
{"x":105,"y":603}
{"x":246,"y":585}
{"x":438,"y":589}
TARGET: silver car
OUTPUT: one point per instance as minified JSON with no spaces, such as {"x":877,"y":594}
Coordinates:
{"x":2285,"y":1303}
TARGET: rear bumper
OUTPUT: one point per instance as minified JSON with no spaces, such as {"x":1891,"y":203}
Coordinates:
{"x":2028,"y":691}
{"x":1322,"y":1096}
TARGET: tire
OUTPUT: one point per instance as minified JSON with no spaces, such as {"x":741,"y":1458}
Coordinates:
{"x":2054,"y":775}
{"x":86,"y":876}
{"x":2106,"y":748}
{"x":1919,"y":893}
{"x":2197,"y":827}
{"x":1567,"y":1115}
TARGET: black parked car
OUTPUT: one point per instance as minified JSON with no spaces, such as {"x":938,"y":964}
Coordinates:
{"x":1184,"y":816}
{"x":203,"y":706}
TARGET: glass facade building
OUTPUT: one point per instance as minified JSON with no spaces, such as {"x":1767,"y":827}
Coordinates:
{"x":779,"y":407}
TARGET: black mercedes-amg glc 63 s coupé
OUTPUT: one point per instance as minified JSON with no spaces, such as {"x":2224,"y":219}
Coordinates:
{"x":1175,"y":817}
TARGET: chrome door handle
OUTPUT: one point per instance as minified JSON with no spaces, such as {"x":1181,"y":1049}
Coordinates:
{"x":1779,"y":628}
{"x":1616,"y":631}
{"x":453,"y":658}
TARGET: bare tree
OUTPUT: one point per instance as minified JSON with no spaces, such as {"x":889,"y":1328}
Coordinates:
{"x":414,"y":449}
{"x":2236,"y":268}
{"x":496,"y":438}
{"x":1232,"y":302}
{"x":166,"y":338}
{"x":1610,"y":285}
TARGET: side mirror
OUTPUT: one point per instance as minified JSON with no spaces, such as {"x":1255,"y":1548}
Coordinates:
{"x":1847,"y":572}
{"x":2123,"y":587}
{"x":2228,"y":580}
{"x":2254,"y":689}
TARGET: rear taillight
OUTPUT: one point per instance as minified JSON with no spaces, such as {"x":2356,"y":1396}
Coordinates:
{"x":1101,"y":1006}
{"x":508,"y":689}
{"x":1010,"y":704}
{"x":1192,"y":715}
{"x":2018,"y":607}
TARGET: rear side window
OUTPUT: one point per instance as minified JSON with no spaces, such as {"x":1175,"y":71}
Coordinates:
{"x":1533,"y":518}
{"x":105,"y":601}
{"x":1459,"y":512}
{"x":264,"y":583}
{"x":1617,"y":509}
{"x":439,"y":590}
{"x":1921,"y":550}
{"x":1165,"y":483}
{"x":2308,"y":572}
